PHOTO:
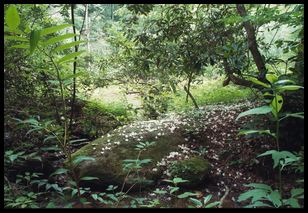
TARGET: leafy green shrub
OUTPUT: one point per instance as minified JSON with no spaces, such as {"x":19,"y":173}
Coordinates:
{"x":205,"y":204}
{"x":116,"y":108}
{"x":25,"y":200}
{"x":99,"y":118}
{"x":273,"y":92}
{"x":272,"y":198}
{"x":207,"y":93}
{"x":155,"y":100}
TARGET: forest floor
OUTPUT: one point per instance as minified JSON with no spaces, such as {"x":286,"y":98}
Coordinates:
{"x":233,"y":159}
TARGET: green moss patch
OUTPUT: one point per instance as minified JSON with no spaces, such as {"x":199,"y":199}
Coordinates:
{"x":194,"y":169}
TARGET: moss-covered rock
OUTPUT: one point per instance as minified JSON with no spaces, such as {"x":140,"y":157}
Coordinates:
{"x":110,"y":151}
{"x":194,"y":169}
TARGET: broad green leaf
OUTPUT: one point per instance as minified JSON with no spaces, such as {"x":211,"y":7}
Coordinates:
{"x":66,"y":46}
{"x":269,"y":152}
{"x":287,"y":161}
{"x":271,"y":77}
{"x":195,"y":201}
{"x":186,"y":194}
{"x":12,"y":18}
{"x":211,"y":205}
{"x":158,"y":191}
{"x":74,"y":192}
{"x":34,"y":39}
{"x":277,"y":156}
{"x":54,"y":29}
{"x":144,"y":161}
{"x":49,"y":138}
{"x":58,"y":39}
{"x":276,"y":105}
{"x":296,"y":192}
{"x":9,"y":152}
{"x":255,"y":194}
{"x":79,"y":159}
{"x":259,"y":186}
{"x":71,"y":61}
{"x":55,"y":82}
{"x":94,"y":196}
{"x":131,"y":161}
{"x":34,"y":206}
{"x":295,"y":115}
{"x":256,"y":81}
{"x":282,"y":82}
{"x":247,"y":132}
{"x":59,"y":171}
{"x":282,"y":155}
{"x":21,"y":46}
{"x":179,"y":180}
{"x":258,"y":110}
{"x":13,"y":157}
{"x":89,"y":178}
{"x":15,"y":38}
{"x":207,"y":199}
{"x":174,"y":189}
{"x":288,"y":88}
{"x":257,"y":204}
{"x":31,"y":121}
{"x":70,"y":56}
{"x":112,"y":197}
{"x":102,"y":200}
{"x":56,"y":187}
{"x":34,"y":129}
{"x":292,"y":202}
{"x":111,"y":187}
{"x":275,"y":197}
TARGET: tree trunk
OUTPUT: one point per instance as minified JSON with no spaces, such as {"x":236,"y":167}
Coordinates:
{"x":192,"y":97}
{"x":252,"y":43}
{"x":234,"y":79}
{"x":87,"y":26}
{"x":111,"y":11}
{"x":74,"y":71}
{"x":188,"y":84}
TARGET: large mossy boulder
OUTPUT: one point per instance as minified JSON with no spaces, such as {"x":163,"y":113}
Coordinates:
{"x":112,"y":149}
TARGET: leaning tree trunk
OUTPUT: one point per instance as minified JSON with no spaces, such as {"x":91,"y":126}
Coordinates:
{"x":87,"y":26}
{"x":190,"y":75}
{"x":231,"y":77}
{"x":252,"y":43}
{"x":74,"y":70}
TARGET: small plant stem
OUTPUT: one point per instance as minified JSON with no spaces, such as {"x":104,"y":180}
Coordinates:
{"x":64,"y":145}
{"x":277,"y":140}
{"x":277,"y":121}
{"x":277,"y":134}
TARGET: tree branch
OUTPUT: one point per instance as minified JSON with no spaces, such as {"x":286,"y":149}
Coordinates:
{"x":252,"y":43}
